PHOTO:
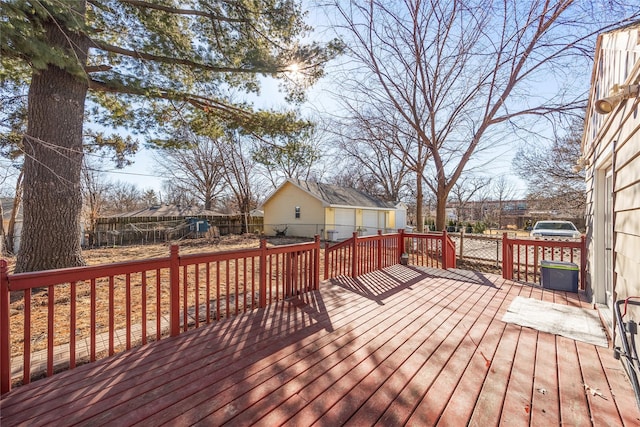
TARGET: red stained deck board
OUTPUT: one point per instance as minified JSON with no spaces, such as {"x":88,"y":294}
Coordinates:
{"x":233,"y":331}
{"x":414,"y":376}
{"x":346,"y":398}
{"x":439,"y":394}
{"x":467,"y":391}
{"x":204,"y":381}
{"x":516,"y":410}
{"x":545,"y":409}
{"x":375,"y":406}
{"x":347,"y":355}
{"x":242,"y":386}
{"x":601,"y":403}
{"x":129,"y":382}
{"x":574,"y":408}
{"x":491,"y":401}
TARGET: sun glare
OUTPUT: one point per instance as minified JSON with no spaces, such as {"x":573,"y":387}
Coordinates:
{"x":293,"y":68}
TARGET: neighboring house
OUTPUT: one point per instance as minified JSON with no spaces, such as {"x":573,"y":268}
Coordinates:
{"x":7,"y":210}
{"x":305,"y":209}
{"x":611,"y":156}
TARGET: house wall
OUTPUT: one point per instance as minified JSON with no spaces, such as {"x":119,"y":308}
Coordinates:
{"x":611,"y":146}
{"x":279,"y":212}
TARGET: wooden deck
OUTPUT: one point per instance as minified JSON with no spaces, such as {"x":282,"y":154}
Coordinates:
{"x":399,"y":346}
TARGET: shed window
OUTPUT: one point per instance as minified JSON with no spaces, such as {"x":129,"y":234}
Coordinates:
{"x":297,"y":212}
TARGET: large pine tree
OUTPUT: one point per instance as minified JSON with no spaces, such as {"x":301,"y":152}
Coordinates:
{"x":140,"y":64}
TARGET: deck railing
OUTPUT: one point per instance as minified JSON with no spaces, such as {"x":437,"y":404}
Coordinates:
{"x":521,"y":258}
{"x":429,"y":249}
{"x":105,"y":309}
{"x":360,"y":255}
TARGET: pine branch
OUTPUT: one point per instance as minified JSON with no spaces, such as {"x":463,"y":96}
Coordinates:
{"x":180,"y":61}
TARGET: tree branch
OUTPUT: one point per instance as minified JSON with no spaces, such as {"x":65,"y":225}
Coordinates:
{"x":179,"y":61}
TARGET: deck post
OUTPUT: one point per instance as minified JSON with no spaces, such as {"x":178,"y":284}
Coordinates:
{"x":507,"y":262}
{"x":174,"y":319}
{"x":262,"y":281}
{"x":354,"y":255}
{"x":316,"y":263}
{"x":5,"y":340}
{"x":400,"y":243}
{"x":445,"y":250}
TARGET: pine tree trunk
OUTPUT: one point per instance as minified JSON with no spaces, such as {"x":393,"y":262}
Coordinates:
{"x":52,"y":200}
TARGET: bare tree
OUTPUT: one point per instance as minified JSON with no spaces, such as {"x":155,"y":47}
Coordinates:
{"x":503,"y":191}
{"x":550,"y":172}
{"x":124,"y":197}
{"x":373,"y":162}
{"x":461,"y":73}
{"x":463,"y":191}
{"x":238,"y":168}
{"x":95,"y":191}
{"x":197,"y":171}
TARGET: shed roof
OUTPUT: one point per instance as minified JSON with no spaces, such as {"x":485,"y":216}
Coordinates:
{"x":334,"y":195}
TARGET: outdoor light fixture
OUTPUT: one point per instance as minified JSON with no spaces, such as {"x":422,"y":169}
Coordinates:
{"x":618,"y":93}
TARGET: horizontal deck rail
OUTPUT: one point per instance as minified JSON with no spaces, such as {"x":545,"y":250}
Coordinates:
{"x":129,"y":303}
{"x":522,"y":258}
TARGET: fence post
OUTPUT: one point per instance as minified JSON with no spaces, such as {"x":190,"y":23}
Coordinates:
{"x":174,"y":290}
{"x":401,"y":242}
{"x":316,"y":263}
{"x":5,"y":340}
{"x":354,"y":256}
{"x":461,"y":256}
{"x":262,"y":281}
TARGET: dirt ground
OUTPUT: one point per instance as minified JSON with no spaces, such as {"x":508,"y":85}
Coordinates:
{"x":106,"y":255}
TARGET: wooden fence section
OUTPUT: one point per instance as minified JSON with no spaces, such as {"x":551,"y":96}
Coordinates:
{"x":521,"y":258}
{"x":110,"y":308}
{"x":361,"y":255}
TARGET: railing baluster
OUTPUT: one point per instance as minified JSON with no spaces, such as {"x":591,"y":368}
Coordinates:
{"x":128,"y":309}
{"x":26,"y":359}
{"x":72,"y":326}
{"x":111,"y":315}
{"x":50,"y":329}
{"x":143,"y":304}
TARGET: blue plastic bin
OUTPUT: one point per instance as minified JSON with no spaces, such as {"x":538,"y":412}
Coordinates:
{"x":559,"y":275}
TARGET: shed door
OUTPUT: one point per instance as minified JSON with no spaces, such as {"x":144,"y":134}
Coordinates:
{"x":345,"y":223}
{"x":370,"y":222}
